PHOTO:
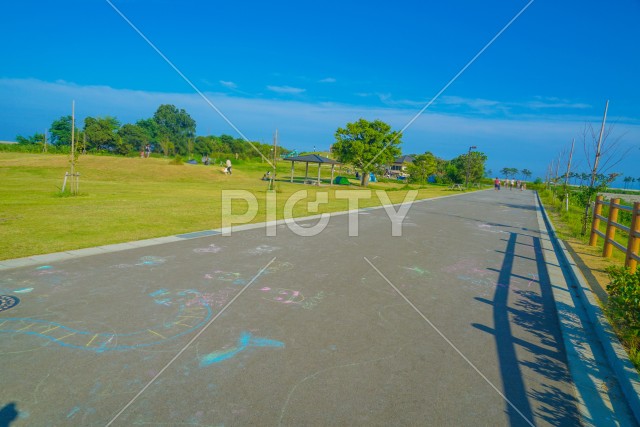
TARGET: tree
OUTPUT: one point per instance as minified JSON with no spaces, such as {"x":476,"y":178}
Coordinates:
{"x":509,"y":172}
{"x":101,"y":134}
{"x":36,"y":138}
{"x":627,"y":180}
{"x":602,"y":154}
{"x":474,"y":161}
{"x":367,"y":145}
{"x":423,"y":166}
{"x":133,"y":137}
{"x":174,"y":124}
{"x":526,"y":173}
{"x":61,"y":131}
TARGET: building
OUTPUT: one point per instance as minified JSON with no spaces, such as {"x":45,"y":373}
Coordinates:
{"x":399,"y":166}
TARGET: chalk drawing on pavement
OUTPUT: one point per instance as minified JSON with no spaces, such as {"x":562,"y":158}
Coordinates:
{"x":180,"y":319}
{"x":213,"y":249}
{"x":245,"y":343}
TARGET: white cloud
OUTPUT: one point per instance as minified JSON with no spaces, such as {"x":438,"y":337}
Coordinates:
{"x":286,"y":89}
{"x":327,"y":80}
{"x":230,"y":85}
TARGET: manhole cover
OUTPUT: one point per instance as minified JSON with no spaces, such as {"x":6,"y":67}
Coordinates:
{"x":7,"y":301}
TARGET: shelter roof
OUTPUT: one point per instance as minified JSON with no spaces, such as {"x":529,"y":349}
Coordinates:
{"x":312,"y":158}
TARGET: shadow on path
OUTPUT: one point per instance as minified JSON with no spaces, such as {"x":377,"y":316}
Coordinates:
{"x":8,"y":414}
{"x":532,"y":312}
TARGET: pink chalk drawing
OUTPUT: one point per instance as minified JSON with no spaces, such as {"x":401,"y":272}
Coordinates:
{"x":212,"y":249}
{"x":215,"y":300}
{"x":283,"y":296}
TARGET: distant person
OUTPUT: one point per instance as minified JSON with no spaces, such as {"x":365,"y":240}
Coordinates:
{"x":206,"y":160}
{"x":228,"y":169}
{"x":266,"y":176}
{"x":496,"y":184}
{"x":147,"y":150}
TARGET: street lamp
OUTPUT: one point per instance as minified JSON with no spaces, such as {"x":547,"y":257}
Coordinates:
{"x":473,"y":147}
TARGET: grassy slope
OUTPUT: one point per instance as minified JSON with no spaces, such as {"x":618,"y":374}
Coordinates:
{"x":124,"y":199}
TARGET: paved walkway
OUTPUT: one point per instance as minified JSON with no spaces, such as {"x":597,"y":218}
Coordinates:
{"x":454,"y":323}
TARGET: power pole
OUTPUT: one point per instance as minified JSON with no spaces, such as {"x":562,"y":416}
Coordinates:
{"x":566,"y":177}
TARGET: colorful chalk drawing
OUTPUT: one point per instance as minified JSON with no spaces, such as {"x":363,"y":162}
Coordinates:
{"x":8,"y":301}
{"x":262,"y":249}
{"x":215,"y":300}
{"x":213,"y":249}
{"x":183,"y":319}
{"x":148,"y":260}
{"x":281,"y":295}
{"x":313,"y":301}
{"x":226,"y":276}
{"x":278,"y":266}
{"x":290,"y":296}
{"x":245,"y":343}
{"x":419,"y":271}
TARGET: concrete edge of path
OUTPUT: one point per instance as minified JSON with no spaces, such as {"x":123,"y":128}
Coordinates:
{"x":79,"y":253}
{"x":626,"y":374}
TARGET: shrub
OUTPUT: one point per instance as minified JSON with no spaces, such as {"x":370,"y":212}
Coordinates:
{"x":177,"y":160}
{"x":623,"y":308}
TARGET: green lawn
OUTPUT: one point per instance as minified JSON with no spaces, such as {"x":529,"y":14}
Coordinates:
{"x":124,"y":199}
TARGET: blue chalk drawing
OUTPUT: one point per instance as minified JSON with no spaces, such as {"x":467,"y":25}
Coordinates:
{"x":22,"y":291}
{"x":245,"y":342}
{"x":73,"y":412}
{"x":44,"y":267}
{"x":186,"y":319}
{"x":158,"y":293}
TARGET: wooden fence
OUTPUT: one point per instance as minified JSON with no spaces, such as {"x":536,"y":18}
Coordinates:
{"x":633,"y":244}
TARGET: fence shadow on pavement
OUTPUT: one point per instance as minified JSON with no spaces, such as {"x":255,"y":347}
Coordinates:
{"x":529,"y":311}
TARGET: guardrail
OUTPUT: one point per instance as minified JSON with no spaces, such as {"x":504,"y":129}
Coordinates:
{"x":633,"y":245}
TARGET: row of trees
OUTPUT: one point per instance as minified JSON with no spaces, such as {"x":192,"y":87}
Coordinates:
{"x":170,"y":131}
{"x":514,"y":173}
{"x":373,"y":146}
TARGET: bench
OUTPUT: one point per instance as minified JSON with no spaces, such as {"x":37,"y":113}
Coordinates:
{"x":456,"y":187}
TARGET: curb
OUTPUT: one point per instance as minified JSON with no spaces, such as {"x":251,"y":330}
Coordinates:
{"x":626,"y":374}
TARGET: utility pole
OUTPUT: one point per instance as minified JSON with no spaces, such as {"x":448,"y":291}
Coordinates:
{"x":566,"y":177}
{"x":598,"y":149}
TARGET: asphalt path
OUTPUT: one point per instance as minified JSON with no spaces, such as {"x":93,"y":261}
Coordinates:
{"x":452,"y":323}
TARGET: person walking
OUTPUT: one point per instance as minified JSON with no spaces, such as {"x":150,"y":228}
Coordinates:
{"x":496,"y":184}
{"x":228,"y":167}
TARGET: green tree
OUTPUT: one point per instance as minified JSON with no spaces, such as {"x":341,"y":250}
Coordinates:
{"x":101,"y":134}
{"x":366,"y":145}
{"x":176,"y":125}
{"x":423,"y":166}
{"x":36,"y":138}
{"x":473,"y":163}
{"x":60,"y":131}
{"x":526,"y":173}
{"x":133,"y":137}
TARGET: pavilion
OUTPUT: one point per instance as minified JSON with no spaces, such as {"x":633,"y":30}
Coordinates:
{"x":312,"y":158}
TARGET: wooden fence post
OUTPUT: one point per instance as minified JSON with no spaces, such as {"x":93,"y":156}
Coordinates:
{"x":597,"y":210}
{"x":633,"y":246}
{"x":610,"y":234}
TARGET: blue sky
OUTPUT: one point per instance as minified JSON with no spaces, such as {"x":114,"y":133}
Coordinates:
{"x":307,"y":68}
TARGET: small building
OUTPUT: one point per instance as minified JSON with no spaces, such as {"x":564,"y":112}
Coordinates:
{"x":399,"y":166}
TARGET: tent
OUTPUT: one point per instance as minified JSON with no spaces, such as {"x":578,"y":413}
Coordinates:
{"x":372,"y":177}
{"x":341,"y":180}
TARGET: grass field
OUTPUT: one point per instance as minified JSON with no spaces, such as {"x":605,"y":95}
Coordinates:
{"x":124,"y":199}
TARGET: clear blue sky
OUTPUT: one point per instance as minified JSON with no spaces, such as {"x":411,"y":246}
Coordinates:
{"x":307,"y":68}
